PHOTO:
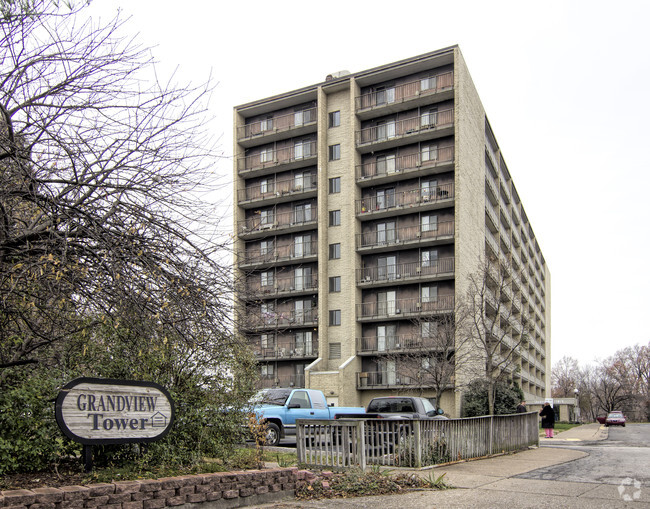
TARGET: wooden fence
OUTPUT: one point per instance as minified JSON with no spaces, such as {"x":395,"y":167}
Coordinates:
{"x":346,"y":443}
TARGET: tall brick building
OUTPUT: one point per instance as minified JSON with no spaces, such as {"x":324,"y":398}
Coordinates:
{"x":362,"y":204}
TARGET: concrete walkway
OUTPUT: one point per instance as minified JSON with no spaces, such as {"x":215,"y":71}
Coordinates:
{"x":492,"y":482}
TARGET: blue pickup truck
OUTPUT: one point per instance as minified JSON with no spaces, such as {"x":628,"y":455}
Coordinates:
{"x":281,"y":407}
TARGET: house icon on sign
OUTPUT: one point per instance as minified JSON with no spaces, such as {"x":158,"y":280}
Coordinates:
{"x":158,"y":420}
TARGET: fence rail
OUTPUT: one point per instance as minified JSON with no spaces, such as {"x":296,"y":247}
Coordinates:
{"x":347,"y":443}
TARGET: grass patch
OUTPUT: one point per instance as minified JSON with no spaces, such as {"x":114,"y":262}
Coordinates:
{"x":355,"y":483}
{"x":559,"y":427}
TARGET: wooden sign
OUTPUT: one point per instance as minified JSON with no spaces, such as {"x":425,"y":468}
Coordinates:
{"x":104,"y":411}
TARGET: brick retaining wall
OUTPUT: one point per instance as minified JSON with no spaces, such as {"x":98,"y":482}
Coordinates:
{"x":218,"y":490}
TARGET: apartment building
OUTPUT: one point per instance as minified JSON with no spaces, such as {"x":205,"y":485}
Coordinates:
{"x":362,"y":205}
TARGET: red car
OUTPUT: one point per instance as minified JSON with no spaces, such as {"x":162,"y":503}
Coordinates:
{"x":615,"y":418}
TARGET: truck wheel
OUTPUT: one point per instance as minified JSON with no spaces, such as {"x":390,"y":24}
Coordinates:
{"x":272,"y":434}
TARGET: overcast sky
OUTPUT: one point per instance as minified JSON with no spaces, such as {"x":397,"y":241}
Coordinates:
{"x":566,"y":86}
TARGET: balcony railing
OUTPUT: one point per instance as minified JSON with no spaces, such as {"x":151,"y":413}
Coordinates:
{"x":407,"y":127}
{"x":272,"y":319}
{"x":284,"y":285}
{"x":392,"y":237}
{"x":278,"y":220}
{"x":286,"y":350}
{"x":280,"y":253}
{"x":405,"y":164}
{"x":405,"y":91}
{"x":422,"y":196}
{"x":394,"y":309}
{"x":390,"y":379}
{"x":277,"y":124}
{"x":401,"y":343}
{"x":270,"y":381}
{"x":276,"y":189}
{"x":405,"y":271}
{"x":276,"y":157}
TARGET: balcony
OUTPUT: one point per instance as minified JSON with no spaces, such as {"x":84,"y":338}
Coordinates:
{"x":385,"y":240}
{"x":393,"y":169}
{"x":286,"y":351}
{"x":406,"y":96}
{"x":279,"y":222}
{"x":391,"y":380}
{"x":281,"y":319}
{"x":430,"y":198}
{"x":270,"y":381}
{"x":278,"y":191}
{"x":274,"y":160}
{"x":285,"y":285}
{"x":406,"y":272}
{"x":271,"y":129}
{"x":417,"y":128}
{"x":491,"y":242}
{"x":404,"y":308}
{"x":296,"y":253}
{"x":373,"y":345}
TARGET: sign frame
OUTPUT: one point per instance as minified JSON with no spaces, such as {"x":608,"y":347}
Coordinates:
{"x":65,"y":390}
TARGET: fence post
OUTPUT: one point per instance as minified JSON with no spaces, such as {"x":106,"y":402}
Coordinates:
{"x":361,"y":443}
{"x":491,"y":435}
{"x":418,"y":443}
{"x":300,"y":442}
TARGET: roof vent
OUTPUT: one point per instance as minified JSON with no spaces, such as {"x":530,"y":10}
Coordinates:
{"x":337,"y":74}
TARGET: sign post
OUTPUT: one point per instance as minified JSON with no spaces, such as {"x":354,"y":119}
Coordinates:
{"x":105,"y":411}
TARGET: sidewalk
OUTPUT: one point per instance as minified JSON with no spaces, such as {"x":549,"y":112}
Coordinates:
{"x":492,"y":482}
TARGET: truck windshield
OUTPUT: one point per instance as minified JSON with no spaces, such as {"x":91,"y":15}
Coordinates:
{"x":272,"y":397}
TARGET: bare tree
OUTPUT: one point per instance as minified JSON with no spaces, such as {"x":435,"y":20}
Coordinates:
{"x":497,"y":324}
{"x":565,"y":377}
{"x":104,"y":173}
{"x":430,"y":358}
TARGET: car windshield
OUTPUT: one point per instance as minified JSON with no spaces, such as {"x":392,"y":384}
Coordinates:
{"x":271,"y":397}
{"x":615,"y":415}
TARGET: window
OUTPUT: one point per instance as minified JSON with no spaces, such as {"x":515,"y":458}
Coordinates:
{"x":386,"y":198}
{"x":428,"y":190}
{"x":266,"y":218}
{"x":266,"y":278}
{"x":302,"y":278}
{"x":335,"y":284}
{"x":386,"y":303}
{"x":429,"y":118}
{"x":264,"y":186}
{"x":385,"y":95}
{"x":386,"y":232}
{"x":267,"y":341}
{"x":429,"y":153}
{"x":266,"y":156}
{"x":301,"y":117}
{"x":335,"y":317}
{"x":302,"y":149}
{"x":301,"y":181}
{"x":335,"y":118}
{"x":302,"y":213}
{"x":301,"y":399}
{"x":428,"y":83}
{"x":429,"y":258}
{"x":429,"y":223}
{"x":335,"y":185}
{"x":386,"y":337}
{"x":266,"y":124}
{"x":335,"y":152}
{"x":429,"y":294}
{"x":428,"y":329}
{"x":335,"y":218}
{"x":335,"y":350}
{"x":387,"y":267}
{"x":267,"y":309}
{"x":302,"y":246}
{"x":267,"y":369}
{"x":385,"y":164}
{"x":335,"y":251}
{"x":304,"y":344}
{"x":385,"y":129}
{"x":266,"y":247}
